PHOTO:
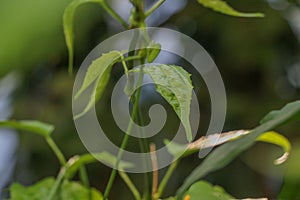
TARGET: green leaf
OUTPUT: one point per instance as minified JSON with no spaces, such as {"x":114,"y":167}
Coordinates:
{"x":37,"y":127}
{"x":96,"y":195}
{"x":69,"y":191}
{"x":153,"y":51}
{"x":223,"y":7}
{"x":205,"y":190}
{"x":276,"y":113}
{"x":36,"y":192}
{"x":68,"y":26}
{"x":105,"y":157}
{"x":220,"y":138}
{"x":98,"y":68}
{"x":223,"y":155}
{"x":175,"y":86}
{"x":277,"y":139}
{"x":97,"y":91}
{"x":75,"y":191}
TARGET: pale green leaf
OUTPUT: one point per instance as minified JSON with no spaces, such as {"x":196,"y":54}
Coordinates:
{"x":204,"y":190}
{"x":97,"y":69}
{"x":38,"y":191}
{"x":223,"y":155}
{"x":175,"y":86}
{"x":97,"y":91}
{"x":222,"y":7}
{"x":36,"y":127}
{"x":71,"y":190}
{"x":68,"y":18}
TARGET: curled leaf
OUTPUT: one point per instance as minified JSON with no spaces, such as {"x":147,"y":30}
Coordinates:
{"x":277,"y":139}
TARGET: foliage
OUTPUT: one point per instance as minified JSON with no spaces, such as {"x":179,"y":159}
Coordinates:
{"x":174,"y":84}
{"x":69,"y":190}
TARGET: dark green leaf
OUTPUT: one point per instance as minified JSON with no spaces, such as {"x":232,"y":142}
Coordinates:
{"x":32,"y":126}
{"x":223,"y":155}
{"x":275,"y":113}
{"x":174,"y":84}
{"x":204,"y":190}
{"x":223,"y":7}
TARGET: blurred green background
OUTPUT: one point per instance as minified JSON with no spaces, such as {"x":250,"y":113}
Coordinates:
{"x":258,"y":58}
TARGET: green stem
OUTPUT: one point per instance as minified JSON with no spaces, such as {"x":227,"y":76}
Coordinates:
{"x":125,"y":139}
{"x":124,"y":64}
{"x":57,"y":184}
{"x":154,"y":7}
{"x":138,"y":20}
{"x":56,"y":150}
{"x":130,"y":58}
{"x":130,"y":185}
{"x":114,"y":14}
{"x":84,"y":177}
{"x":165,"y":179}
{"x":144,"y":146}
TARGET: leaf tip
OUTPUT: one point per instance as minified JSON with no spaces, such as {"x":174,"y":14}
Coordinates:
{"x":282,"y":159}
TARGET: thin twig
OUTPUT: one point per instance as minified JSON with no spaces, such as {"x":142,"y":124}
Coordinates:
{"x":114,"y":14}
{"x":154,"y":7}
{"x":130,"y":185}
{"x":165,"y":179}
{"x":56,"y":150}
{"x":154,"y":168}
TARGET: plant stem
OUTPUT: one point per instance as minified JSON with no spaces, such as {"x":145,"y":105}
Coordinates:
{"x":130,"y":58}
{"x":124,"y":64}
{"x":137,"y":20}
{"x":56,"y":150}
{"x":125,"y":139}
{"x":130,"y":184}
{"x":137,"y":17}
{"x":83,"y":176}
{"x":114,"y":14}
{"x":154,"y":7}
{"x":57,"y":184}
{"x":165,"y":179}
